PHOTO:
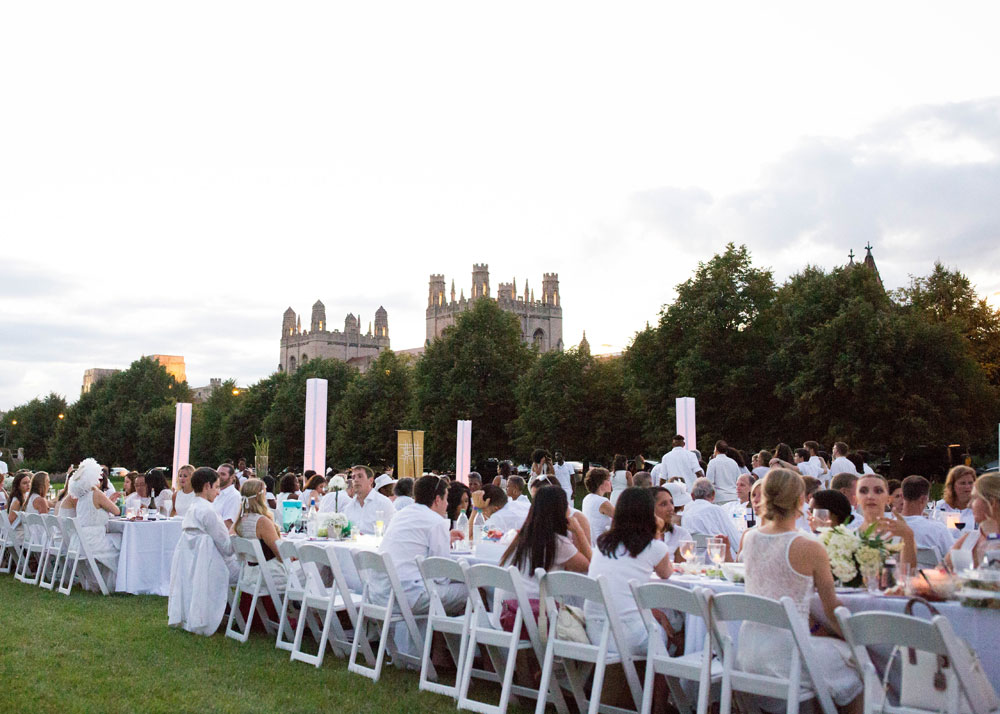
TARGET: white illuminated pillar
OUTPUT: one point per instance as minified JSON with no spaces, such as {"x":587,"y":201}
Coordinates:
{"x":463,"y":451}
{"x":315,"y":456}
{"x":685,"y":422}
{"x":182,"y":439}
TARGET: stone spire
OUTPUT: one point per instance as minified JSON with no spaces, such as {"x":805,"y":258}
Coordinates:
{"x":870,"y":264}
{"x":453,"y":289}
{"x":298,"y":325}
{"x":584,"y":345}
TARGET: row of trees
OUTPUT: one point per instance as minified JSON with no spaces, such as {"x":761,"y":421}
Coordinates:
{"x":826,"y":355}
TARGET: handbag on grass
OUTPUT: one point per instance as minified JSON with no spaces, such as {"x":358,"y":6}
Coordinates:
{"x":929,"y":681}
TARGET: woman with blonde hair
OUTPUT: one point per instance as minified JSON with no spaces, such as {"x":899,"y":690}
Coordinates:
{"x":985,"y":506}
{"x":958,"y":494}
{"x":872,"y":495}
{"x":256,"y":522}
{"x":782,"y":560}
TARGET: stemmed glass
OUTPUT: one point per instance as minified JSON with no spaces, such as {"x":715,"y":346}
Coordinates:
{"x":716,"y":553}
{"x":379,"y":523}
{"x":687,"y":550}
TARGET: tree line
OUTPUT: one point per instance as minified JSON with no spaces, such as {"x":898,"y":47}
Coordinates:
{"x":827,"y":355}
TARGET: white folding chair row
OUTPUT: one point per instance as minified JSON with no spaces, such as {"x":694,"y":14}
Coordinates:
{"x":55,"y":551}
{"x":10,"y":549}
{"x":561,"y":589}
{"x":33,"y":549}
{"x":935,"y":637}
{"x":252,"y":570}
{"x":700,"y":666}
{"x":75,"y":555}
{"x":384,"y":617}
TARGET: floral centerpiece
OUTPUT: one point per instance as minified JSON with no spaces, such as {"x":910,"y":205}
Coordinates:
{"x":333,"y":525}
{"x":335,"y":485}
{"x":850,"y":552}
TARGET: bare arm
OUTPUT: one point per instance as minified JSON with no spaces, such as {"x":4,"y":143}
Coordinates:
{"x":267,"y":531}
{"x":44,"y":507}
{"x":628,"y":478}
{"x":102,"y":501}
{"x":577,"y":564}
{"x":664,"y":567}
{"x":809,"y":557}
{"x":607,"y":509}
{"x":580,"y":538}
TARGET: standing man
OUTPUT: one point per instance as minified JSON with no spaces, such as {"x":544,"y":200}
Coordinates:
{"x":679,"y":462}
{"x":841,"y":464}
{"x":564,"y":475}
{"x":723,"y":472}
{"x":3,"y":468}
{"x":816,"y":467}
{"x":362,"y":510}
{"x":242,"y":472}
{"x":227,"y":503}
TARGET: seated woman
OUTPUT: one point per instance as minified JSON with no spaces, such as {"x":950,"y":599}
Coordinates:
{"x":459,"y":502}
{"x":93,"y":509}
{"x":783,"y":561}
{"x":669,"y":533}
{"x":66,"y":505}
{"x":503,"y":473}
{"x":288,"y":488}
{"x":833,"y":501}
{"x":37,"y":501}
{"x":128,"y":485}
{"x":314,"y":491}
{"x":203,"y":565}
{"x":985,"y":507}
{"x":757,"y":502}
{"x":548,"y":539}
{"x":255,"y":521}
{"x":161,"y":498}
{"x":184,"y":495}
{"x":596,"y":506}
{"x":19,"y":489}
{"x":630,"y":550}
{"x":873,"y":496}
{"x":574,"y":515}
{"x":958,"y":494}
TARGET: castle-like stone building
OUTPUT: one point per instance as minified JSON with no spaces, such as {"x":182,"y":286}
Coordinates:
{"x":298,"y":346}
{"x":541,"y":320}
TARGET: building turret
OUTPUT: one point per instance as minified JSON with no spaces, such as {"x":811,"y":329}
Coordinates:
{"x":526,"y":294}
{"x":550,"y":289}
{"x":453,"y":289}
{"x":298,"y":325}
{"x":480,"y":280}
{"x":870,"y":263}
{"x":351,"y":325}
{"x":288,"y":323}
{"x":318,"y":322}
{"x":435,"y":296}
{"x":381,"y":322}
{"x":584,"y":345}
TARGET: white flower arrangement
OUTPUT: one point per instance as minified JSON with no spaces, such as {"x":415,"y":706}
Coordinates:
{"x":337,"y":483}
{"x":850,"y":552}
{"x":333,"y":525}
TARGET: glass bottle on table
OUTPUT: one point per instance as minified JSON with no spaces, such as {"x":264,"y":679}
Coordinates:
{"x":462,"y":524}
{"x":478,"y":526}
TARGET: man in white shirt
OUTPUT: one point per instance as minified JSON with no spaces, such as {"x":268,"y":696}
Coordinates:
{"x":404,"y":494}
{"x":927,"y":533}
{"x":227,"y":503}
{"x":3,"y":468}
{"x":703,"y":516}
{"x":420,"y":529}
{"x":363,"y":509}
{"x":817,"y":466}
{"x":722,"y":474}
{"x":739,"y":506}
{"x":564,"y":475}
{"x":515,"y":495}
{"x":847,"y":483}
{"x":678,"y":462}
{"x":242,"y":472}
{"x":841,"y":464}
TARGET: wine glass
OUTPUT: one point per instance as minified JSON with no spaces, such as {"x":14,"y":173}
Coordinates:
{"x":959,"y":525}
{"x":687,"y":550}
{"x":716,"y":553}
{"x":872,"y":575}
{"x":379,"y":523}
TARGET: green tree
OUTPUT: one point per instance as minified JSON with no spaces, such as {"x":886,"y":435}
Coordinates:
{"x":363,"y":426}
{"x":285,"y":422}
{"x":208,"y":435}
{"x":31,"y":426}
{"x":155,"y":439}
{"x":66,"y":447}
{"x":470,"y":372}
{"x":246,"y":419}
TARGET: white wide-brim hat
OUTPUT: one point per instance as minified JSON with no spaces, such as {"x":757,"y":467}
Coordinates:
{"x":679,"y":491}
{"x":384,"y":480}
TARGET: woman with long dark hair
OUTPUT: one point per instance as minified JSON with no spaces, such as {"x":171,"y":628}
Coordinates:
{"x":621,"y":477}
{"x":548,"y":539}
{"x":459,"y":501}
{"x":629,"y":550}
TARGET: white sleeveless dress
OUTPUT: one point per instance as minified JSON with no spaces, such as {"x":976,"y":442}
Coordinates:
{"x":619,"y":482}
{"x":247,"y":528}
{"x":91,"y":524}
{"x":767,"y":650}
{"x":39,"y":531}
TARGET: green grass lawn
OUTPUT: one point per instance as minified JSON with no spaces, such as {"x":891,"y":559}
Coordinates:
{"x":89,"y":653}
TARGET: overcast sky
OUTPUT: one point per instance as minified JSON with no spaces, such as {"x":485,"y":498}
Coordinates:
{"x":174,"y":175}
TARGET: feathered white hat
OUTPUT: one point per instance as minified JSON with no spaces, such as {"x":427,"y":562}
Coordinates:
{"x":85,"y":478}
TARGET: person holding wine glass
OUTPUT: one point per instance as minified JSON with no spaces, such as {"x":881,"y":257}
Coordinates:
{"x":828,"y":509}
{"x":985,"y":506}
{"x":872,"y":497}
{"x":958,"y":496}
{"x":781,"y":560}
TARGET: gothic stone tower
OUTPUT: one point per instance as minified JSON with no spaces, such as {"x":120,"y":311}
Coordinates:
{"x":541,"y":320}
{"x":298,"y":346}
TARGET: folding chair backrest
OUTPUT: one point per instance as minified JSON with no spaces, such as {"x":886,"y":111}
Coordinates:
{"x":563,"y":584}
{"x":436,"y":568}
{"x":868,"y":629}
{"x":739,"y":606}
{"x":501,"y":580}
{"x":52,"y":527}
{"x":244,"y":548}
{"x":34,"y":529}
{"x":700,"y":540}
{"x":928,"y":557}
{"x":659,"y":596}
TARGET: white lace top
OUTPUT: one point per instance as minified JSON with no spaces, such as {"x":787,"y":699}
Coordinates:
{"x":768,"y":572}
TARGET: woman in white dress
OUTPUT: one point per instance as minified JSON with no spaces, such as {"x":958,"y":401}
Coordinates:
{"x":596,"y":506}
{"x":93,"y":509}
{"x":256,"y":522}
{"x":37,"y":500}
{"x":958,"y":495}
{"x":782,"y":560}
{"x":985,"y":504}
{"x":872,"y":495}
{"x":315,"y":490}
{"x":161,"y":498}
{"x":184,"y":495}
{"x":670,"y":534}
{"x":621,"y":477}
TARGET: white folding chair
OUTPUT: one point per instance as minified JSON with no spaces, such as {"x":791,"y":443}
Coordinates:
{"x":35,"y":542}
{"x":77,"y":553}
{"x":734,"y":607}
{"x":331,"y":602}
{"x":560,"y":589}
{"x":251,"y":559}
{"x":874,"y":629}
{"x":396,"y":609}
{"x":10,"y":549}
{"x":501,"y":646}
{"x":928,"y":557}
{"x":452,"y":627}
{"x":701,"y":666}
{"x":295,"y":584}
{"x":54,"y":552}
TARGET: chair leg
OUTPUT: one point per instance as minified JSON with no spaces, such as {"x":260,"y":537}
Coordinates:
{"x":543,"y":686}
{"x":280,"y":642}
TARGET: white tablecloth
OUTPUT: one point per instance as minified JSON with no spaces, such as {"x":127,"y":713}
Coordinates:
{"x":980,"y":628}
{"x":146,"y":554}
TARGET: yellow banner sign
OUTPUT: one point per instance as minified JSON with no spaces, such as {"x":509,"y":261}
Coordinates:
{"x":409,"y":454}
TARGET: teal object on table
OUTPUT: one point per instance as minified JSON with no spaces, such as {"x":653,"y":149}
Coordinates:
{"x":291,"y":512}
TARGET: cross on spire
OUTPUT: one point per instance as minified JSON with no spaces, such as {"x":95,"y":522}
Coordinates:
{"x":851,"y":255}
{"x":869,"y":247}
